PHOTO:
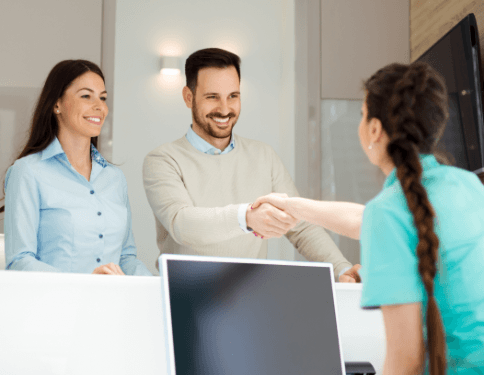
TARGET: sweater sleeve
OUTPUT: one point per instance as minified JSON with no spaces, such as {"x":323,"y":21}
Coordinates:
{"x":172,"y":206}
{"x":310,"y":240}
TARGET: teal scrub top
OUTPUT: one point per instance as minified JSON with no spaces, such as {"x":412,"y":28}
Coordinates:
{"x":389,"y":261}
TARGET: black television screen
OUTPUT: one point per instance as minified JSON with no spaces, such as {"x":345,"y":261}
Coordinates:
{"x":456,"y":56}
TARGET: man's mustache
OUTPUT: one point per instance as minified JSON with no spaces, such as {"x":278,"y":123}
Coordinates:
{"x":219,"y":115}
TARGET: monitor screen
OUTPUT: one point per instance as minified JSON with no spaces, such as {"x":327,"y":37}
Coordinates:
{"x":251,"y":318}
{"x":453,"y":141}
{"x":456,"y":56}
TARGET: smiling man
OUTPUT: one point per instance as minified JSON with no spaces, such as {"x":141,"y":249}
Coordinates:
{"x":201,"y":185}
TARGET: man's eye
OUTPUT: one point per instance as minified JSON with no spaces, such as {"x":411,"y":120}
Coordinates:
{"x":103,"y":98}
{"x":85,"y":96}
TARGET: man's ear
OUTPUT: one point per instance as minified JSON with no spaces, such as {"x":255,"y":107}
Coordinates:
{"x":187,"y":96}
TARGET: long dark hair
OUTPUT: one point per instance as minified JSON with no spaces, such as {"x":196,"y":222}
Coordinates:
{"x":411,"y":103}
{"x":44,"y":127}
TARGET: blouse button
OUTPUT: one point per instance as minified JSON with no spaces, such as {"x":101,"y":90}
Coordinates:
{"x":100,"y":236}
{"x":92,"y":191}
{"x":98,"y":260}
{"x":99,"y":214}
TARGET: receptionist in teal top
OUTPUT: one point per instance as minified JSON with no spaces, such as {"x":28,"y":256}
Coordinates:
{"x":66,"y":207}
{"x":422,"y":236}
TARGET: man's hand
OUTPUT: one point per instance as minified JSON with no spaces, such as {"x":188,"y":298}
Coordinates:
{"x":352,"y":275}
{"x":268,"y":221}
{"x":108,"y":269}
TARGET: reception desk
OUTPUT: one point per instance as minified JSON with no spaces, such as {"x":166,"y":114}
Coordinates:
{"x":95,"y":324}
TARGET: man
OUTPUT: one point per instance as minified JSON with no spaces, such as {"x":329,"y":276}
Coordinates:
{"x":201,"y":185}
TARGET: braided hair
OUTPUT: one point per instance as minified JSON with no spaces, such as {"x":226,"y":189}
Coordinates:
{"x":411,"y":103}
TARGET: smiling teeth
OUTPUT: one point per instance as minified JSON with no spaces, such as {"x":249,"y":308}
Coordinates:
{"x":94,"y":119}
{"x":221,"y":120}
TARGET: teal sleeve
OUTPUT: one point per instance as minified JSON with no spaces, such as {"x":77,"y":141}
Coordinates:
{"x":388,"y":257}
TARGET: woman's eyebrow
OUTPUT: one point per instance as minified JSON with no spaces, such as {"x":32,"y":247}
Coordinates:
{"x":88,"y":89}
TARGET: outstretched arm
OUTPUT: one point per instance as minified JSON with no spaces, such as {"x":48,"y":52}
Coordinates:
{"x":310,"y":240}
{"x":173,"y":206}
{"x":343,"y":218}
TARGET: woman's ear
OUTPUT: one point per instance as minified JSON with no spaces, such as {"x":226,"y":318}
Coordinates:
{"x":376,"y":130}
{"x":57,"y":107}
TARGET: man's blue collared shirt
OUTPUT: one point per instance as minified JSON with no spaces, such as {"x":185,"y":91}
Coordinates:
{"x":56,"y":220}
{"x":203,"y":146}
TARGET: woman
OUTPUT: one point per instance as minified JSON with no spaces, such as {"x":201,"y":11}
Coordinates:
{"x":66,"y":208}
{"x":422,"y":237}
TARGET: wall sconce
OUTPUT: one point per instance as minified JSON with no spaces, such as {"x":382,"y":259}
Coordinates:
{"x":170,"y":65}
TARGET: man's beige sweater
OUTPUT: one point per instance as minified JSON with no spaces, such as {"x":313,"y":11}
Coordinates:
{"x":195,"y":199}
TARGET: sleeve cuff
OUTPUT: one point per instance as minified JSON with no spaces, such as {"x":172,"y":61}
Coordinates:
{"x":343,"y":271}
{"x":241,"y":215}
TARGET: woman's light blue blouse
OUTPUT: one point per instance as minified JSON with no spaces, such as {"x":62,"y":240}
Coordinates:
{"x":56,"y":220}
{"x":389,"y":261}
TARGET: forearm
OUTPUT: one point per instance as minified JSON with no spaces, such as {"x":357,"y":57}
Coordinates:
{"x":343,"y":218}
{"x":28,"y":262}
{"x":133,"y":266}
{"x":173,"y":206}
{"x":195,"y":226}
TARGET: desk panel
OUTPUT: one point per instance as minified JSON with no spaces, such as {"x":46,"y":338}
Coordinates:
{"x":96,"y":324}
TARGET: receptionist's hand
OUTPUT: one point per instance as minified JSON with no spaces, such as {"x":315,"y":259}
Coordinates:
{"x":110,"y":269}
{"x":268,"y":221}
{"x":352,"y":275}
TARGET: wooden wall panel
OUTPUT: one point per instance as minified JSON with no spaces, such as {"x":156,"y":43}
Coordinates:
{"x":430,"y":20}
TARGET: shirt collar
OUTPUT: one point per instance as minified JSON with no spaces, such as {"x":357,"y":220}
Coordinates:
{"x":97,"y":157}
{"x":55,"y":148}
{"x":203,"y":146}
{"x":51,"y":150}
{"x":428,"y":161}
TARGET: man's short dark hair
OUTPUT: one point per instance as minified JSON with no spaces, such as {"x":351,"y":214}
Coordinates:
{"x":209,"y":58}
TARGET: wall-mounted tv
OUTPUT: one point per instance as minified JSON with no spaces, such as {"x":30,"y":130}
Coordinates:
{"x":456,"y":56}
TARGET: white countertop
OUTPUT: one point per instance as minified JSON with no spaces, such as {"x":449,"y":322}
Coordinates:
{"x":94,"y":324}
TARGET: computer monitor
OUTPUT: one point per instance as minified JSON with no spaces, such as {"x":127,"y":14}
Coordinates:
{"x":456,"y":56}
{"x":245,"y":316}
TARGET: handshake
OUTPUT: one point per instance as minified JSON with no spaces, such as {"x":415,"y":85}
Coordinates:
{"x":275,"y":214}
{"x":269,"y":216}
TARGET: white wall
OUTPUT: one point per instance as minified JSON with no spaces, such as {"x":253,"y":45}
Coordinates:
{"x":34,"y":36}
{"x":149,"y":110}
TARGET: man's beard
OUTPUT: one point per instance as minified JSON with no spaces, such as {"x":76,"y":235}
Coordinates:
{"x":210,"y":129}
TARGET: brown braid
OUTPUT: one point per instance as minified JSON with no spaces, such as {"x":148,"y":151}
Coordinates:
{"x":411,"y":102}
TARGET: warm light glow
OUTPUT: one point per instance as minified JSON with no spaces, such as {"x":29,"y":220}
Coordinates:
{"x":170,"y":84}
{"x":170,"y":47}
{"x":170,"y":71}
